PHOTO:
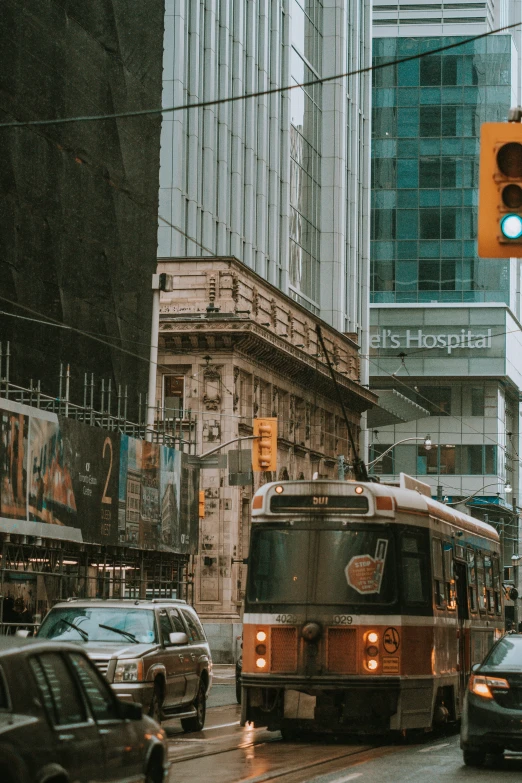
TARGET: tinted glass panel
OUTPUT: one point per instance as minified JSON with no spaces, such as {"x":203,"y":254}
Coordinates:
{"x":278,"y":566}
{"x":165,"y":626}
{"x":68,"y":707}
{"x":100,"y":699}
{"x":193,"y":630}
{"x":355,"y":567}
{"x":506,"y":655}
{"x":176,"y":621}
{"x":4,"y":701}
{"x":99,"y":624}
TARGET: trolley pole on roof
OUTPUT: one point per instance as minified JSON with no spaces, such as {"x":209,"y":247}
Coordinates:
{"x":359,"y":467}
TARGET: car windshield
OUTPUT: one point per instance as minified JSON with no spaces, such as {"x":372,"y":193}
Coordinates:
{"x":100,"y":624}
{"x":352,"y":567}
{"x":506,"y":655}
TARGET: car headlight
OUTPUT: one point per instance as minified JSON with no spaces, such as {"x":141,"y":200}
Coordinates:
{"x":481,"y":686}
{"x":129,"y":671}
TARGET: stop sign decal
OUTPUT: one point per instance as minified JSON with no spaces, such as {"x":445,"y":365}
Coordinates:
{"x":364,"y":572}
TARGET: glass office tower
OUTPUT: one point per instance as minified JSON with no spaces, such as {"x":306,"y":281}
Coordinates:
{"x":445,"y":328}
{"x":280,"y":181}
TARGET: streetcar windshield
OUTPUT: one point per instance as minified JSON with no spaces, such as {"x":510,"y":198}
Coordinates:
{"x":355,"y":567}
{"x":279,"y":566}
{"x":323,"y":566}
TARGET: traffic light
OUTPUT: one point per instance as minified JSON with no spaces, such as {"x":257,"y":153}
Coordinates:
{"x":201,"y":503}
{"x":500,"y":190}
{"x":264,"y":445}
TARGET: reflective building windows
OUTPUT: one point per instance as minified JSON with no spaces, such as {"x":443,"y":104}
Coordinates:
{"x":426,"y":121}
{"x":305,"y":158}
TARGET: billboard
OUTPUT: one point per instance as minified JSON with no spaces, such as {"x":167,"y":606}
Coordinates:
{"x":112,"y":488}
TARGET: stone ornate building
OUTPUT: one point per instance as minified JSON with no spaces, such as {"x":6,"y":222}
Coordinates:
{"x":233,"y":347}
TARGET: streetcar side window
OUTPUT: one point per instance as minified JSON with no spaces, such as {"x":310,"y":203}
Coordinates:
{"x":414,"y":570}
{"x":438,"y":571}
{"x":488,"y":572}
{"x":472,"y":580}
{"x":480,"y":583}
{"x":449,"y":576}
{"x":496,"y":584}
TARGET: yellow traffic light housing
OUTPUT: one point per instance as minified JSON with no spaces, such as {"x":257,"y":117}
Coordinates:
{"x":264,"y":445}
{"x":500,"y":190}
{"x":202,"y":504}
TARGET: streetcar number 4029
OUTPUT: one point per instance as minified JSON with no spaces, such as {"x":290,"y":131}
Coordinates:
{"x":342,"y":619}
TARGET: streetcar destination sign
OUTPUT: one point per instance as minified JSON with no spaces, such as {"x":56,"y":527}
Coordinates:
{"x":283,"y":503}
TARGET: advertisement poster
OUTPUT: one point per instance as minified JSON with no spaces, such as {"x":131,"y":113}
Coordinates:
{"x":189,"y":514}
{"x":92,"y":456}
{"x":111,"y":487}
{"x":170,"y":495}
{"x":13,"y":464}
{"x":51,"y":494}
{"x":139,"y":491}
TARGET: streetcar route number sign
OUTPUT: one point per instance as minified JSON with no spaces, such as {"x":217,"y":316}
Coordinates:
{"x":364,"y":572}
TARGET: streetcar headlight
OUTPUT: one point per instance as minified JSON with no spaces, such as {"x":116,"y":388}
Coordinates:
{"x":261,"y":649}
{"x":372,"y":650}
{"x":261,"y":636}
{"x":261,"y":663}
{"x":481,"y":686}
{"x":359,"y":490}
{"x":373,"y":637}
{"x":372,"y":664}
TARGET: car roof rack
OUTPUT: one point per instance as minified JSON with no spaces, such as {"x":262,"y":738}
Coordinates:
{"x":128,"y":600}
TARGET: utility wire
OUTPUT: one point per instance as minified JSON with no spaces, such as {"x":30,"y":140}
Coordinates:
{"x":258,"y":93}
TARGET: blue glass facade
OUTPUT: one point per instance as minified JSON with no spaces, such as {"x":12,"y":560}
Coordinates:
{"x":426,"y":124}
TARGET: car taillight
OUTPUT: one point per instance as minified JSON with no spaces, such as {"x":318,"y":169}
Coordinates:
{"x":481,"y":686}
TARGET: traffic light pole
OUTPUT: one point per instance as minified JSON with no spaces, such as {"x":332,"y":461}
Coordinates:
{"x":222,"y":445}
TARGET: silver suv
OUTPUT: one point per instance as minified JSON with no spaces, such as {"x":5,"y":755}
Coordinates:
{"x":151,"y":651}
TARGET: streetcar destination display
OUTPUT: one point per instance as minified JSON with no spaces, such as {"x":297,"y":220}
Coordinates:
{"x":329,"y":503}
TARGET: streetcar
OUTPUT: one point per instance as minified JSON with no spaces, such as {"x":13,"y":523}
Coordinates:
{"x":366,"y":607}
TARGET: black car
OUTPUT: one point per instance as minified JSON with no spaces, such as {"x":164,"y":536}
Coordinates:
{"x":60,"y":721}
{"x":492,"y":714}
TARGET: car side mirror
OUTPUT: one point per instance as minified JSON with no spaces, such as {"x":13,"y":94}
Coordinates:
{"x":129,"y":710}
{"x":178,"y":638}
{"x":475,"y":667}
{"x":22,"y":633}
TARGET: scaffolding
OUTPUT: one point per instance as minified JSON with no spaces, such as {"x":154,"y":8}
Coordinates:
{"x":103,"y":406}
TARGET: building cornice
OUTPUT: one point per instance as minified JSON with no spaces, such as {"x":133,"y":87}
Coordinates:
{"x":181,"y":335}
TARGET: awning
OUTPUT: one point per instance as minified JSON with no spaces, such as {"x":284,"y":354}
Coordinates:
{"x":394,"y":408}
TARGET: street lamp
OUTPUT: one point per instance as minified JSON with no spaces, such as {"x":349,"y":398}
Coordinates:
{"x":427,"y":446}
{"x":507,"y":490}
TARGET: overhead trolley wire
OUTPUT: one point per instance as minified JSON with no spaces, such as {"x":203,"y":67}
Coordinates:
{"x":258,"y":93}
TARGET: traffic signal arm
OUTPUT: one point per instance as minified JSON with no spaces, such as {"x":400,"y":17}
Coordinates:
{"x":500,"y":190}
{"x":264,"y":445}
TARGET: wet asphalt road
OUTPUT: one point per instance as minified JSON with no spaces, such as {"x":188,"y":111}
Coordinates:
{"x":226,"y":753}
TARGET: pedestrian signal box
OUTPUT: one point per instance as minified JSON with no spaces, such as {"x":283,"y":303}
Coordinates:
{"x":500,"y":190}
{"x":264,"y":445}
{"x":202,"y":504}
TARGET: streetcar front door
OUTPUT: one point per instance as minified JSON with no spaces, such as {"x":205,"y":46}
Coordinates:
{"x":461,"y":576}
